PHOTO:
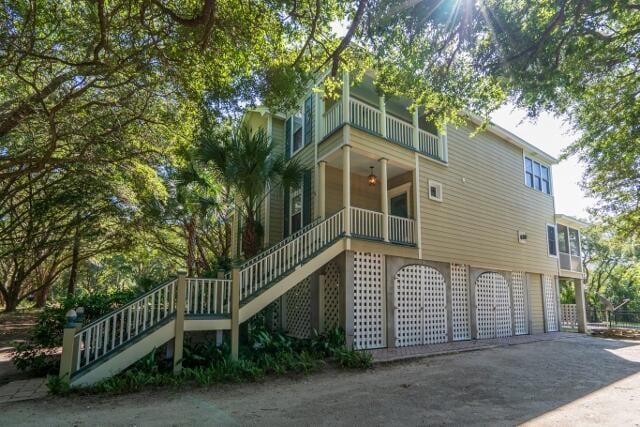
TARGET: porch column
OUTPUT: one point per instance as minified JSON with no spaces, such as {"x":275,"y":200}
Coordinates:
{"x":346,"y":111}
{"x":581,"y":306}
{"x":416,"y":126}
{"x":384,"y":203}
{"x":346,"y":187}
{"x":322,"y":192}
{"x":443,"y":150}
{"x":383,"y":117}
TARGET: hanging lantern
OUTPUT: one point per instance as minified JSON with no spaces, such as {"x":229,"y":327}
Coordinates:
{"x":373,"y":180}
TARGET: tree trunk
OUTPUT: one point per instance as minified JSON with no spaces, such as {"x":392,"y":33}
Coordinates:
{"x":249,"y":237}
{"x":191,"y":245}
{"x":41,"y":296}
{"x":73,"y":273}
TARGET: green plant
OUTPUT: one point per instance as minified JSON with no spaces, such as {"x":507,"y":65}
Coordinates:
{"x":36,"y":359}
{"x":354,"y":359}
{"x":58,"y":386}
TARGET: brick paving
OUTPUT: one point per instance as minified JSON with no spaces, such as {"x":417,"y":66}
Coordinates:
{"x":382,"y":355}
{"x":15,"y":391}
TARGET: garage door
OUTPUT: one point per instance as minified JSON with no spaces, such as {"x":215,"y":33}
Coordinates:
{"x":493,"y":306}
{"x":420,"y":306}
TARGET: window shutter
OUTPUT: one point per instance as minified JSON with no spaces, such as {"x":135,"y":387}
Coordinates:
{"x":306,"y":198}
{"x":287,"y":139}
{"x":308,"y":120}
{"x":285,"y":232}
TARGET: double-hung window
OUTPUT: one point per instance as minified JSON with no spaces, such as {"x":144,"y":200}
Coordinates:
{"x":295,"y":207}
{"x":552,"y":240}
{"x":537,"y":176}
{"x":296,"y":142}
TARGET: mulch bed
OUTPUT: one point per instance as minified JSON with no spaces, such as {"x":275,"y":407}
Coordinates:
{"x":627,"y":334}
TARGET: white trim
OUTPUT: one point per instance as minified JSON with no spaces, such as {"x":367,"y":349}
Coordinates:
{"x":438,"y":185}
{"x":555,"y":231}
{"x":416,"y":186}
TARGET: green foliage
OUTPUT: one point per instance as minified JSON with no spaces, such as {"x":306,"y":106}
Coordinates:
{"x":36,"y":359}
{"x":58,"y":386}
{"x":354,"y":359}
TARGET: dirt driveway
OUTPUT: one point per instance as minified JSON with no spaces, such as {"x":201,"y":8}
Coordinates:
{"x":578,"y":381}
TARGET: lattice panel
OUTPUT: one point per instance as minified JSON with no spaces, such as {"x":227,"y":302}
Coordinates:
{"x":435,"y":306}
{"x":274,"y":311}
{"x":485,"y":306}
{"x":408,"y":303}
{"x":460,"y":302}
{"x":549,"y":292}
{"x":299,"y":310}
{"x":421,"y":306}
{"x":503,"y":306}
{"x":368,"y":300}
{"x":331,"y":293}
{"x":519,"y":303}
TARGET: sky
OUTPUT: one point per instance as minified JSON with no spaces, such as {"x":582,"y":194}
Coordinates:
{"x":551,"y":135}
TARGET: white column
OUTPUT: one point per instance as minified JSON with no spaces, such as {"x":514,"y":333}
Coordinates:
{"x":346,"y":111}
{"x":443,"y":149}
{"x":346,"y":187}
{"x":581,"y":305}
{"x":384,"y":202}
{"x":416,"y":126}
{"x":383,"y":117}
{"x":322,"y":194}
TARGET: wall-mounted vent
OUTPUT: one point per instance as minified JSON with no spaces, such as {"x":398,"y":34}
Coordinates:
{"x":522,"y":236}
{"x":435,"y":191}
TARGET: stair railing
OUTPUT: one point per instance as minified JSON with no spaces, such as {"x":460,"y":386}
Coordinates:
{"x":267,"y":267}
{"x":206,"y":297}
{"x":112,"y":331}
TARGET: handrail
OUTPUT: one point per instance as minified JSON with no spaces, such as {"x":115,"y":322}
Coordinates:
{"x":133,"y":301}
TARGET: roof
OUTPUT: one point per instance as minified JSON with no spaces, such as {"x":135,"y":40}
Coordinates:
{"x":571,"y":221}
{"x":514,"y":139}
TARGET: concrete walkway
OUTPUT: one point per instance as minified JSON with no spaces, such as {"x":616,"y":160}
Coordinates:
{"x":382,"y":355}
{"x":16,"y":391}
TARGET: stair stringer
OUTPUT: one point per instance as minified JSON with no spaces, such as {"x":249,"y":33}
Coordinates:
{"x":301,"y":272}
{"x":125,"y":357}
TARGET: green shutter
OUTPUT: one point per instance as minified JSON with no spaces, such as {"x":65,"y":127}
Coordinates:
{"x":287,"y":139}
{"x":306,"y":198}
{"x":308,"y":120}
{"x":285,"y":232}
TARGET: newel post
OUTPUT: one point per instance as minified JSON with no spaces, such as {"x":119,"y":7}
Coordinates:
{"x":235,"y":310}
{"x":70,"y":344}
{"x":178,"y":340}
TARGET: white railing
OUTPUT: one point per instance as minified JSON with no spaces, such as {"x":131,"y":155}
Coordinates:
{"x":364,"y":115}
{"x":267,"y":267}
{"x":333,"y":118}
{"x":428,"y":143}
{"x":207,"y":296}
{"x":366,"y":223}
{"x":402,"y":230}
{"x":569,"y":318}
{"x":399,"y":131}
{"x":114,"y":330}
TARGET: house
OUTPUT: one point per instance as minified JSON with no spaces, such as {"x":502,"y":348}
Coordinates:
{"x":398,"y":233}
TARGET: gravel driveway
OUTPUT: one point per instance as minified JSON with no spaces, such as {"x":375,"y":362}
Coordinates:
{"x":581,"y":380}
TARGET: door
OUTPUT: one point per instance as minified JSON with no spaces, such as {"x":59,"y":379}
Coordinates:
{"x":420,"y":306}
{"x":493,"y":306}
{"x":399,"y":205}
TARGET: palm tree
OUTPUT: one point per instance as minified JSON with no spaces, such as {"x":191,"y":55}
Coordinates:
{"x":248,"y":165}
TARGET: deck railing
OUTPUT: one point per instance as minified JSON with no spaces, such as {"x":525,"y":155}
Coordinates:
{"x":428,"y":144}
{"x":366,"y":223}
{"x":207,"y":296}
{"x":400,"y":131}
{"x":364,"y":115}
{"x":332,"y":118}
{"x":401,"y":230}
{"x":266,"y":268}
{"x":119,"y":327}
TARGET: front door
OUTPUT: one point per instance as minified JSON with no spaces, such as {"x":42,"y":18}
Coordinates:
{"x":399,"y":205}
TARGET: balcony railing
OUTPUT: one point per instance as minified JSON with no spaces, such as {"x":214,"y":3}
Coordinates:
{"x":366,"y":223}
{"x":402,"y":230}
{"x":370,"y":118}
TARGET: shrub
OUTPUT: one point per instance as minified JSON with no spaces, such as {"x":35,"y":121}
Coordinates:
{"x":354,"y":359}
{"x":36,"y":359}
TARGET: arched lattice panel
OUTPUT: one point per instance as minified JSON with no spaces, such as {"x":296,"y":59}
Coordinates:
{"x":485,"y":306}
{"x":503,"y":307}
{"x":519,"y":303}
{"x":421,"y":306}
{"x":549,"y":292}
{"x":435,"y":306}
{"x":299,"y":310}
{"x":368,"y":301}
{"x":331,"y":295}
{"x":460,"y":302}
{"x":407,"y":298}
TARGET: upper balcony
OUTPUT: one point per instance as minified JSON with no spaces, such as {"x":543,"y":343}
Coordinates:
{"x":390,"y":119}
{"x":569,"y":245}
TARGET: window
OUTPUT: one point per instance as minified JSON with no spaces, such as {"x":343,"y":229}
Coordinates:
{"x":574,"y":241}
{"x":399,"y":205}
{"x":295,"y":208}
{"x":537,"y":176}
{"x":296,"y":143}
{"x":435,"y":191}
{"x":551,"y":240}
{"x":568,"y":240}
{"x":563,"y":239}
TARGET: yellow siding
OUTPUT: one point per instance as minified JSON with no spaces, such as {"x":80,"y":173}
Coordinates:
{"x":362,"y":195}
{"x":276,"y":203}
{"x":535,"y":303}
{"x":485,"y":203}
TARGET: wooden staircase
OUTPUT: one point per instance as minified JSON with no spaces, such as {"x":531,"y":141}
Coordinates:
{"x":112,"y":343}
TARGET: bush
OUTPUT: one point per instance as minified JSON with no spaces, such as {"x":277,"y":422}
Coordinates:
{"x":354,"y":359}
{"x":36,"y":359}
